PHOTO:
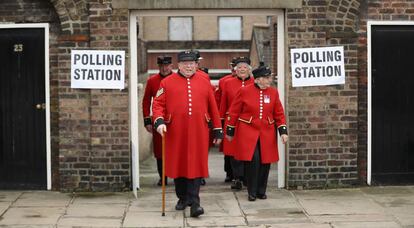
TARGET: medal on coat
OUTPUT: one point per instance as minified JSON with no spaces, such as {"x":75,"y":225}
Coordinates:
{"x":266,"y":99}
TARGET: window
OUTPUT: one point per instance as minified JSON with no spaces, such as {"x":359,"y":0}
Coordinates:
{"x":269,"y":20}
{"x":180,"y":28}
{"x":230,"y":28}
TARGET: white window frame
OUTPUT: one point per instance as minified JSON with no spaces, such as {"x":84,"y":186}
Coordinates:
{"x":191,"y":27}
{"x":219,"y":28}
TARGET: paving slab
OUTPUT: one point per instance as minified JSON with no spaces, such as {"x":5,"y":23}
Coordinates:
{"x":365,"y":225}
{"x":330,"y":202}
{"x":301,"y":225}
{"x":280,"y":207}
{"x":43,"y":199}
{"x":102,"y":198}
{"x":154,"y":219}
{"x":389,"y":198}
{"x":388,"y":190}
{"x":137,"y":206}
{"x":354,"y":218}
{"x":4,"y":206}
{"x":96,"y":210}
{"x":396,"y":201}
{"x":9,"y":196}
{"x":151,"y":201}
{"x":277,"y":216}
{"x":309,"y":194}
{"x":220,"y":204}
{"x":30,"y":226}
{"x":215,"y":221}
{"x":32,"y":216}
{"x":404,"y":214}
{"x":278,"y":199}
{"x":69,"y":222}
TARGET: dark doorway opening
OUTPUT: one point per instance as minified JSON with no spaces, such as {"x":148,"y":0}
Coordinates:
{"x":392,"y":105}
{"x":22,"y":109}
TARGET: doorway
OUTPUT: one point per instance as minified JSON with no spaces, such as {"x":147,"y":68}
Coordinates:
{"x":136,"y":117}
{"x":392,"y":104}
{"x":24,"y":147}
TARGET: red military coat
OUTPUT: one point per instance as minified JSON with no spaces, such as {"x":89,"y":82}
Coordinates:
{"x":255,"y":113}
{"x":217,"y":95}
{"x":219,"y":89}
{"x":230,"y":89}
{"x":186,"y":105}
{"x":153,"y":84}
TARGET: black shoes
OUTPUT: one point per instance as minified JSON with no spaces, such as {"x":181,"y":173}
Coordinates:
{"x":262,"y":196}
{"x":259,"y":196}
{"x":251,"y":198}
{"x":181,"y":205}
{"x":237,"y":185}
{"x":203,"y":181}
{"x":196,"y":210}
{"x":228,"y":179}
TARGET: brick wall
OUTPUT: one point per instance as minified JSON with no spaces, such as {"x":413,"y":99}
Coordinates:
{"x":323,"y":119}
{"x":362,"y":94}
{"x":94,"y":124}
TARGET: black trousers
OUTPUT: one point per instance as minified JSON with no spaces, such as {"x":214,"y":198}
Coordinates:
{"x":159,"y":168}
{"x":188,"y":190}
{"x":238,"y":168}
{"x":227,"y":166}
{"x":257,"y":174}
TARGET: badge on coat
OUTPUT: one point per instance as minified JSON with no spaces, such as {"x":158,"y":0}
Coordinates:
{"x":266,"y":99}
{"x":160,"y":92}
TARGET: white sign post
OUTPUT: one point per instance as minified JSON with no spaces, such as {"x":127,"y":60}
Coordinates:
{"x":317,"y":66}
{"x":92,"y":69}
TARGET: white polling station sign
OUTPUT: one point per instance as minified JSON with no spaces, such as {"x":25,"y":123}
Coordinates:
{"x":97,"y":69}
{"x":317,"y":66}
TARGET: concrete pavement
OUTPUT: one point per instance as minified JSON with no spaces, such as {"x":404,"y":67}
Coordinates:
{"x":386,"y":207}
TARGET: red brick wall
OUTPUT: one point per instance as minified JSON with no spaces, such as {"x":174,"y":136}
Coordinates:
{"x":94,"y":124}
{"x":323,"y":120}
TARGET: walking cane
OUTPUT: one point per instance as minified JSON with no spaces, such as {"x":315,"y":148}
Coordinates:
{"x":163,"y":175}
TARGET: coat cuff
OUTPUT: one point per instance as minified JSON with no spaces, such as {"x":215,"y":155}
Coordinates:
{"x":147,"y":121}
{"x":158,"y":122}
{"x":230,"y":130}
{"x":218,"y":133}
{"x":282,"y":130}
{"x":210,"y":124}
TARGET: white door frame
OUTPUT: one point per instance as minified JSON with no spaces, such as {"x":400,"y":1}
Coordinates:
{"x":134,"y":115}
{"x":369,"y":124}
{"x":45,"y":26}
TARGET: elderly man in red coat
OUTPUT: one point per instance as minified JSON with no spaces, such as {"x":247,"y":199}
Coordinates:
{"x":182,"y":109}
{"x":230,"y":88}
{"x":253,"y":117}
{"x":217,"y":94}
{"x":153,"y":84}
